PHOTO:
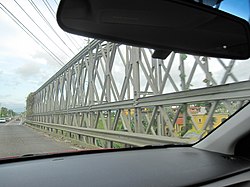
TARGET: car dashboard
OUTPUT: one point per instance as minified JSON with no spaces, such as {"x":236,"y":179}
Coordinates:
{"x":172,"y":166}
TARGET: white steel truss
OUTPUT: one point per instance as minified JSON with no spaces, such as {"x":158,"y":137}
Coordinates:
{"x":121,"y":88}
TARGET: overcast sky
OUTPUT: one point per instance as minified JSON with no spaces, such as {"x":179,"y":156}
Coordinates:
{"x":25,"y":65}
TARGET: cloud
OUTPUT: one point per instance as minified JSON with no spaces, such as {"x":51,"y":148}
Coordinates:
{"x":15,"y":106}
{"x":28,"y":70}
{"x":241,"y":70}
{"x":12,"y":83}
{"x":24,"y":65}
{"x":35,"y":69}
{"x":5,"y":95}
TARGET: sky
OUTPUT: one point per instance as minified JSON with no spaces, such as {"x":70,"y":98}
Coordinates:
{"x":25,"y":65}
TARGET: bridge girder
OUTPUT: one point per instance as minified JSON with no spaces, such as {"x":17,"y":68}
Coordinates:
{"x":121,"y":88}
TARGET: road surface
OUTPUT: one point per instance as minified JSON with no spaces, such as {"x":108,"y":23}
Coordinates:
{"x":17,"y":140}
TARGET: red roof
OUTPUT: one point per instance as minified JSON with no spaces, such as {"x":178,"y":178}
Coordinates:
{"x":179,"y":121}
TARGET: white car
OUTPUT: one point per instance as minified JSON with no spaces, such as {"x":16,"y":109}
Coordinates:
{"x":2,"y":120}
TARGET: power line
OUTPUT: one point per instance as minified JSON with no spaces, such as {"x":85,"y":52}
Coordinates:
{"x":50,"y":7}
{"x":47,"y":22}
{"x":56,"y":2}
{"x":41,"y":29}
{"x":52,"y":12}
{"x":25,"y":29}
{"x":75,"y":40}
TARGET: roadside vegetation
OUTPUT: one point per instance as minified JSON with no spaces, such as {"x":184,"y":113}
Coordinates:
{"x":5,"y":112}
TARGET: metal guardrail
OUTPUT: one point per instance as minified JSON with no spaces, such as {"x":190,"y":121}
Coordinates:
{"x":134,"y":139}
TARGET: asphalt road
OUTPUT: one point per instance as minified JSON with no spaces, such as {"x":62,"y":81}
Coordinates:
{"x":17,"y":140}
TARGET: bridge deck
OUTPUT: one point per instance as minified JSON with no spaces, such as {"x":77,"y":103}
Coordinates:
{"x":18,"y":139}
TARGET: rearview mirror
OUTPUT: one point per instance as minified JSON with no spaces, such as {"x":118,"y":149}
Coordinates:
{"x":173,"y":25}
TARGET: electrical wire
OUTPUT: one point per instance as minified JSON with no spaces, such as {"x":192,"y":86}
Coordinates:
{"x":47,"y":22}
{"x":51,"y":10}
{"x":42,"y":29}
{"x":27,"y":31}
{"x":50,"y":7}
{"x":56,"y":2}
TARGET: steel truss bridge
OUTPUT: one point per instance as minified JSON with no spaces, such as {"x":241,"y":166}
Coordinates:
{"x":113,"y":95}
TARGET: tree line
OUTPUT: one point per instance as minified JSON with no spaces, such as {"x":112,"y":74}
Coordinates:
{"x":5,"y":112}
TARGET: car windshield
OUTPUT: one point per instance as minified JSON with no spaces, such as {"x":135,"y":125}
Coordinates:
{"x":62,"y":92}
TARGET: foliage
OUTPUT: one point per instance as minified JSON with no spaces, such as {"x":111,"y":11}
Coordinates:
{"x":187,"y":127}
{"x":221,"y":108}
{"x":183,"y":57}
{"x":5,"y":112}
{"x":29,"y":104}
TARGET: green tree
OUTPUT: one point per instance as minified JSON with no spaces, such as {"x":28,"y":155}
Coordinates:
{"x":221,"y":108}
{"x":187,"y":127}
{"x":29,"y":104}
{"x":11,"y":113}
{"x":4,"y":112}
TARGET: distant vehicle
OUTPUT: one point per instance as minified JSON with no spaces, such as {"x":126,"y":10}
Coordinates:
{"x":2,"y":120}
{"x":8,"y":119}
